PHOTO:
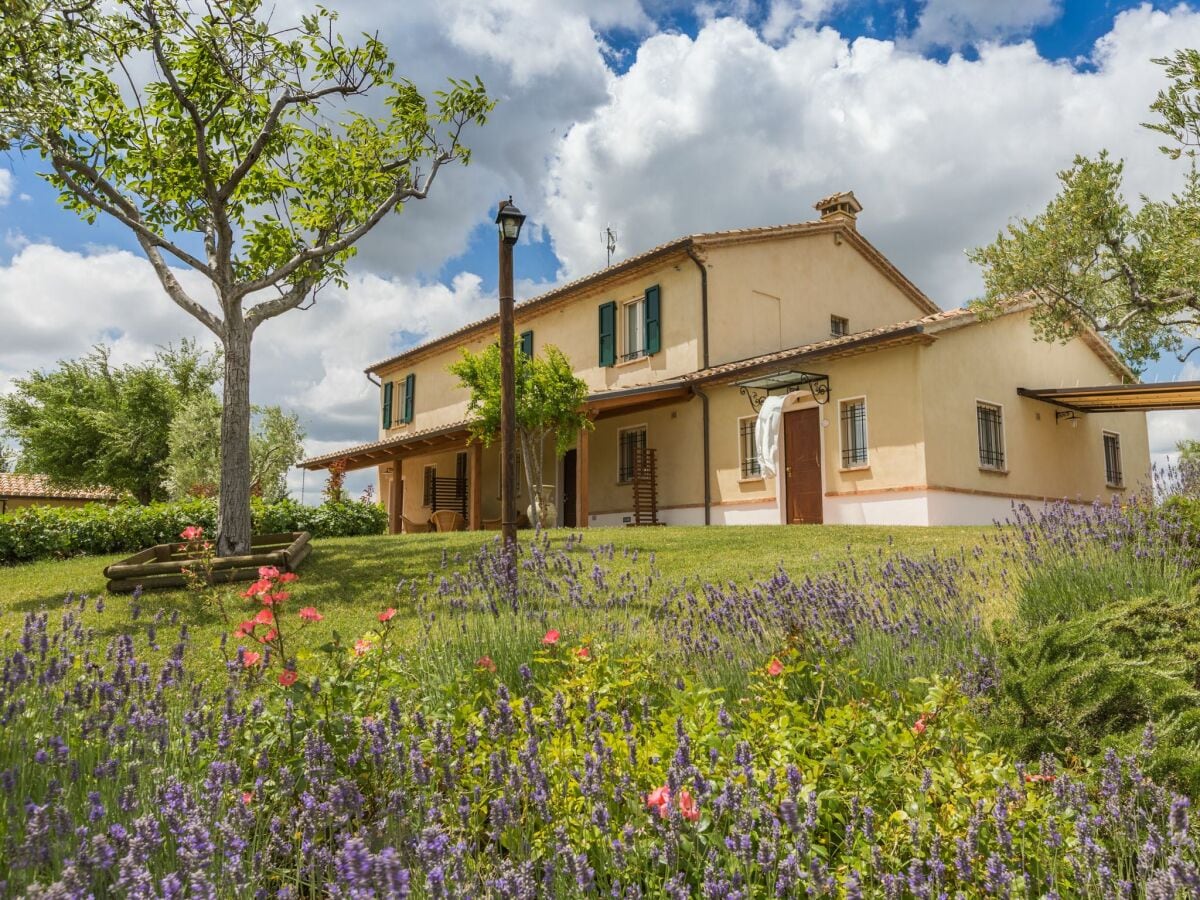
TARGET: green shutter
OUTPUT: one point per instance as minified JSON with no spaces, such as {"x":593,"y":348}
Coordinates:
{"x":527,"y":343}
{"x":652,"y":308}
{"x":410,"y":382}
{"x":608,"y":333}
{"x":387,"y":405}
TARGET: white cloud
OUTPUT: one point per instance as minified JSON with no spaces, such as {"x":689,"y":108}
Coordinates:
{"x":58,"y":304}
{"x":6,"y":185}
{"x":955,"y":23}
{"x":725,"y":130}
{"x":784,"y":15}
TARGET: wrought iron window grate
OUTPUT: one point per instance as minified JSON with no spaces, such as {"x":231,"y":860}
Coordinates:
{"x":991,"y":436}
{"x":629,"y":443}
{"x":751,"y":468}
{"x":854,"y":434}
{"x":1112,"y":460}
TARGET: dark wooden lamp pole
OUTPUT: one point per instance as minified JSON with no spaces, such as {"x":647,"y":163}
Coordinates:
{"x":509,"y":220}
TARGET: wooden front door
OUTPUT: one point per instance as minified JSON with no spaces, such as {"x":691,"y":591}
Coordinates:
{"x":802,"y":466}
{"x":569,"y":492}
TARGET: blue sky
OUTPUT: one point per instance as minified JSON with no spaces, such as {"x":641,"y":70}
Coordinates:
{"x":657,"y":118}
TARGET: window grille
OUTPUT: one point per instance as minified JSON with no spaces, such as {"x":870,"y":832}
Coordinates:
{"x":839,"y":326}
{"x":854,"y":433}
{"x":629,"y":442}
{"x":1112,"y":460}
{"x":991,"y":436}
{"x":748,"y":447}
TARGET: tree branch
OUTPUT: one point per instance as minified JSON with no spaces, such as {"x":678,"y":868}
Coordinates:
{"x":320,"y":251}
{"x":119,"y":208}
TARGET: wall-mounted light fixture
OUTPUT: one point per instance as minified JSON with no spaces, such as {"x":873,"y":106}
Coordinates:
{"x":1068,"y":415}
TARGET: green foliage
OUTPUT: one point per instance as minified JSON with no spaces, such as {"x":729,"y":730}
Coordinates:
{"x":1099,"y":678}
{"x":549,"y":400}
{"x":1089,"y":261}
{"x":194,"y":463}
{"x":92,"y":423}
{"x":39,"y":532}
{"x":1189,"y":452}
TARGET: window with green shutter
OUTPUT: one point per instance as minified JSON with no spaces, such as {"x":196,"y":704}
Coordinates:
{"x":608,"y":333}
{"x":387,"y":404}
{"x":406,"y":413}
{"x":653,"y":312}
{"x":527,"y":343}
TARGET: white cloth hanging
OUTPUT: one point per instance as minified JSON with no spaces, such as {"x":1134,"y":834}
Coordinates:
{"x":766,"y":434}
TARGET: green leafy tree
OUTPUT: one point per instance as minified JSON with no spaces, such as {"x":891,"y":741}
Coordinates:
{"x":1189,"y":452}
{"x":89,"y":422}
{"x":1090,"y":261}
{"x":7,"y":457}
{"x":241,"y":157}
{"x":194,"y":463}
{"x":550,"y":401}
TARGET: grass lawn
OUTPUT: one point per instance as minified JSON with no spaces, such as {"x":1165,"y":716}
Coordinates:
{"x":350,"y":579}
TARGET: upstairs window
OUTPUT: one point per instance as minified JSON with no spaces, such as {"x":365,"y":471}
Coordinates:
{"x":388,"y":388}
{"x":748,"y":447}
{"x":408,"y":398}
{"x":629,"y":442}
{"x":1112,"y":460}
{"x":853,"y":416}
{"x":527,"y":343}
{"x":838,"y":326}
{"x":990,"y":423}
{"x":633,"y":329}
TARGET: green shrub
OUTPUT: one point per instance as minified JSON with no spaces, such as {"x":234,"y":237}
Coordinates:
{"x":39,"y":532}
{"x":1098,"y":679}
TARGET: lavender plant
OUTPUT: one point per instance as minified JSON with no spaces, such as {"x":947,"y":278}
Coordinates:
{"x":594,"y":774}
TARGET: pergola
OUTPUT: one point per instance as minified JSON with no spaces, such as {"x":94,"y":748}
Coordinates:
{"x":1120,"y":397}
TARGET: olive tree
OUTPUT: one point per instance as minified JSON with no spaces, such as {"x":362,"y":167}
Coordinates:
{"x":231,"y":147}
{"x":1089,"y":260}
{"x":549,"y":401}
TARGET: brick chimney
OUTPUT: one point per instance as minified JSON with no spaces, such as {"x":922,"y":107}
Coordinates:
{"x":843,"y":207}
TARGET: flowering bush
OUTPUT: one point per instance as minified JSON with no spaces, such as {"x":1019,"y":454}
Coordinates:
{"x":589,"y":777}
{"x":38,"y":532}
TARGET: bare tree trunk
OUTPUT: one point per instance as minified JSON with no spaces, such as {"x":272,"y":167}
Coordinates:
{"x":527,"y":465}
{"x":233,"y":503}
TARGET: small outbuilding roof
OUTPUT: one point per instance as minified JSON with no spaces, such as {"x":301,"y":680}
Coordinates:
{"x":40,"y":487}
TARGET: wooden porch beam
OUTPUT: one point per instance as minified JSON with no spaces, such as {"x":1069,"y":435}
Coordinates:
{"x":475,"y":520}
{"x":581,"y":480}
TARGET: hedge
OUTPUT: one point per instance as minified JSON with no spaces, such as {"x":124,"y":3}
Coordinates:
{"x":40,"y":532}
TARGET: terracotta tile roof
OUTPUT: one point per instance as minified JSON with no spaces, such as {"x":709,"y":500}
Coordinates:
{"x":859,"y":341}
{"x":678,"y":245}
{"x":383,"y":445}
{"x":40,"y":487}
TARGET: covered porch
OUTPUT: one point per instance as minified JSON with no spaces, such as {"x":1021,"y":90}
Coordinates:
{"x":441,"y":479}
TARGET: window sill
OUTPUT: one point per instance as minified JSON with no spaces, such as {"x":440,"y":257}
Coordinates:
{"x":752,"y":479}
{"x":865,"y":467}
{"x":1114,"y":487}
{"x":993,"y":470}
{"x":627,"y":363}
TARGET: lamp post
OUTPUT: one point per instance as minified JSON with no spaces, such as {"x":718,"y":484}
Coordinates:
{"x":508,"y":221}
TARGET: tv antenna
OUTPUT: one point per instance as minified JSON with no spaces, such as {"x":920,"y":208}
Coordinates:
{"x":610,"y":242}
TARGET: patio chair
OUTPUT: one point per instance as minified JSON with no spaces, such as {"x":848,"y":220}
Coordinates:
{"x":492,"y":524}
{"x":448,"y":520}
{"x":410,"y":527}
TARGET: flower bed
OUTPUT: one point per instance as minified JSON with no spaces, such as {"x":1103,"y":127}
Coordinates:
{"x":169,"y":565}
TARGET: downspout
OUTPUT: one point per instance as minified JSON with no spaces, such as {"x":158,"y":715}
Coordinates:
{"x":703,"y":310}
{"x":704,"y":365}
{"x":707,"y":479}
{"x":377,"y":384}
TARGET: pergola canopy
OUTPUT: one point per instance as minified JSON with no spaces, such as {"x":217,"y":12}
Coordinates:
{"x":1121,"y":397}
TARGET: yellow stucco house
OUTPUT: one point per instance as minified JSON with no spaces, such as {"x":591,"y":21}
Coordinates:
{"x":889,"y":411}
